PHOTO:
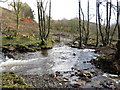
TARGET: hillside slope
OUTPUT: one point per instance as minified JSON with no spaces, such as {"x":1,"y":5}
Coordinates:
{"x":68,"y":28}
{"x":8,"y":20}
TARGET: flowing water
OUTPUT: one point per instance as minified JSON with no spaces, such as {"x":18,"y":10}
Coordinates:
{"x":60,"y":58}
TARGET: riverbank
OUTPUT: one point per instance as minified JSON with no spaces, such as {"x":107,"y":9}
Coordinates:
{"x":106,"y":61}
{"x":10,"y":80}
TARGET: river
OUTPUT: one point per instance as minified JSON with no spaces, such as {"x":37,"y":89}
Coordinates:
{"x":62,"y":58}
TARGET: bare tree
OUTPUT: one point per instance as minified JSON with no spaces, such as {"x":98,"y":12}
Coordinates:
{"x":97,"y":37}
{"x":88,"y":21}
{"x":105,"y":29}
{"x":108,"y":20}
{"x":99,"y":22}
{"x":17,"y":8}
{"x":42,"y":19}
{"x":80,"y":30}
{"x":115,"y":27}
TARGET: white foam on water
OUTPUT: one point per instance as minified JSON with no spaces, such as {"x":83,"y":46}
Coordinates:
{"x":10,"y":63}
{"x":87,"y":50}
{"x":112,"y":77}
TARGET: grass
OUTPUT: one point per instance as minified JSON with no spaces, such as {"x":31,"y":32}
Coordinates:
{"x":18,"y":40}
{"x":10,"y":80}
{"x":26,"y":44}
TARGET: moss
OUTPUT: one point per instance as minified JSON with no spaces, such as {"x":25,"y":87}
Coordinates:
{"x":10,"y":80}
{"x":24,"y":45}
{"x":91,"y":42}
{"x":39,"y":43}
{"x":53,"y":41}
{"x":9,"y":37}
{"x":102,"y":57}
{"x":47,"y":45}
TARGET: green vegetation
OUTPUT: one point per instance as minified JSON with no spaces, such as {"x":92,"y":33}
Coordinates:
{"x":10,"y":80}
{"x":102,"y":57}
{"x":44,"y":22}
{"x":18,"y":40}
{"x":25,"y":44}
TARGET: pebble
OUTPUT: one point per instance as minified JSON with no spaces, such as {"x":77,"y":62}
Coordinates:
{"x":74,"y":54}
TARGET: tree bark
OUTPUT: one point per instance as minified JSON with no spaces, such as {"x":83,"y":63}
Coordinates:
{"x":87,"y":33}
{"x":49,"y":20}
{"x":117,"y":56}
{"x":97,"y":37}
{"x":80,"y":42}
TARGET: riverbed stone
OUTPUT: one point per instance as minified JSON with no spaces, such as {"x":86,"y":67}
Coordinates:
{"x":9,"y":55}
{"x":84,"y":74}
{"x":87,"y":74}
{"x":65,"y":79}
{"x":74,"y":54}
{"x":72,"y":75}
{"x":80,"y":82}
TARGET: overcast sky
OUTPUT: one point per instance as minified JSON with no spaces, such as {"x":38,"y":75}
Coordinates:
{"x":62,"y":8}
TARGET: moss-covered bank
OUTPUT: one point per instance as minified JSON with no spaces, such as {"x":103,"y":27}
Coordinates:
{"x":10,"y":80}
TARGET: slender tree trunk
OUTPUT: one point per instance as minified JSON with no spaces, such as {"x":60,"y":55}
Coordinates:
{"x":49,"y":20}
{"x":17,"y":9}
{"x":117,"y":56}
{"x":80,"y":42}
{"x":106,"y":34}
{"x":39,"y":19}
{"x":83,"y":32}
{"x":109,"y":20}
{"x":97,"y":24}
{"x":87,"y":34}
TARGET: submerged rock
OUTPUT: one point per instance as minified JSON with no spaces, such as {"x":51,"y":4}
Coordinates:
{"x":85,"y":74}
{"x":9,"y":55}
{"x":74,"y":54}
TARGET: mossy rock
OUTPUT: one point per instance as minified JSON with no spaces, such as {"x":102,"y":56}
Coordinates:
{"x":47,"y":45}
{"x":10,"y":80}
{"x":23,"y":48}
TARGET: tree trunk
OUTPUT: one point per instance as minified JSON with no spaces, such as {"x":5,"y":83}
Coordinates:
{"x":17,"y":7}
{"x":99,"y":23}
{"x":117,"y":56}
{"x":80,"y":42}
{"x":43,"y":32}
{"x":49,"y":20}
{"x":97,"y":37}
{"x":87,"y":34}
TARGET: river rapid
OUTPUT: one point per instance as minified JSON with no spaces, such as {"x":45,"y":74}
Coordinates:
{"x":63,"y":59}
